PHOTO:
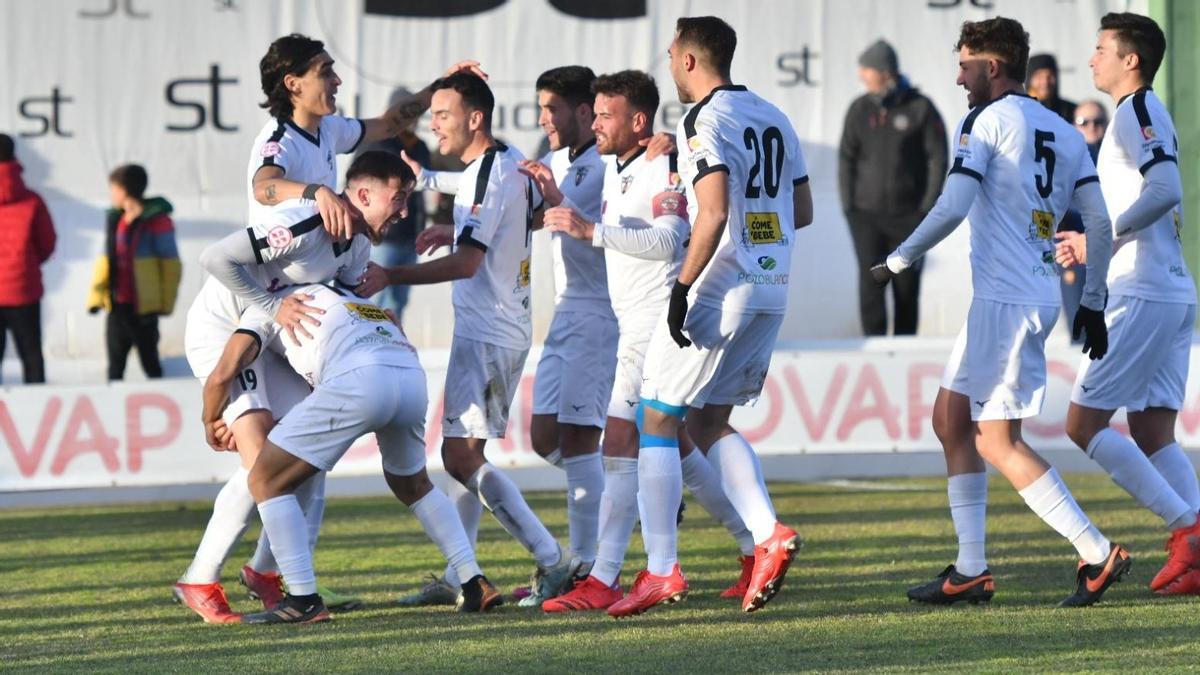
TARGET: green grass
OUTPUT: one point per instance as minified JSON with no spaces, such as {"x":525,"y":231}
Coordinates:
{"x":87,"y":590}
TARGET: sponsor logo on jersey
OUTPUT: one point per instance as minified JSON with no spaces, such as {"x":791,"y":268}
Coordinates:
{"x":626,"y":181}
{"x":763,"y":279}
{"x":523,"y":275}
{"x":1042,"y":226}
{"x":271,"y":149}
{"x":383,"y":331}
{"x":1178,"y":225}
{"x":366,"y":312}
{"x":964,"y":140}
{"x":579,"y":174}
{"x":694,"y":142}
{"x":763,"y":228}
{"x":279,"y":237}
{"x":766,"y":262}
{"x":1148,"y":133}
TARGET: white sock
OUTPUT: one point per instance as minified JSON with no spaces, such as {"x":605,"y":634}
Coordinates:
{"x":660,"y":487}
{"x":314,"y":507}
{"x":1132,"y":470}
{"x":618,"y":513}
{"x":742,"y":480}
{"x":968,"y":509}
{"x":284,"y":521}
{"x":501,"y":496}
{"x":705,"y":484}
{"x":1173,"y":463}
{"x":263,"y":561}
{"x":469,"y":512}
{"x":555,"y":458}
{"x":232,"y":511}
{"x":441,"y":523}
{"x":585,"y":484}
{"x":1050,"y":499}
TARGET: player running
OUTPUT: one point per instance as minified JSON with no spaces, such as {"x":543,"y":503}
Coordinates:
{"x":1017,"y":168}
{"x":366,"y":379}
{"x":1151,"y":310}
{"x":489,"y":268}
{"x":747,"y":193}
{"x":291,"y":246}
{"x":642,"y":231}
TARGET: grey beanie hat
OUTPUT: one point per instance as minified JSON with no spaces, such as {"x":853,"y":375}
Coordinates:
{"x":880,"y":56}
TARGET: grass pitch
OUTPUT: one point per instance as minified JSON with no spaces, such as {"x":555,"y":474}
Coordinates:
{"x":88,"y":590}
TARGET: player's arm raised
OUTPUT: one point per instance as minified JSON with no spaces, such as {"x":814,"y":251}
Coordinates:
{"x":409,"y":109}
{"x":271,"y":187}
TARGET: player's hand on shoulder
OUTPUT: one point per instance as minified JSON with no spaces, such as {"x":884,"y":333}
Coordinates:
{"x":294,"y":313}
{"x":568,"y":221}
{"x":468,"y":65}
{"x":335,"y":214}
{"x":434,"y":237}
{"x":1071,"y":249}
{"x":659,"y":144}
{"x":1090,"y":323}
{"x":375,"y":279}
{"x":543,"y":180}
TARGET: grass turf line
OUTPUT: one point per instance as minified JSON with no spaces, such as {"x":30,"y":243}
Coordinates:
{"x":88,"y":590}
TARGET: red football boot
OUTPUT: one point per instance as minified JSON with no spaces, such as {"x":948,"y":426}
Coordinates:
{"x":207,"y":600}
{"x":738,"y":590}
{"x":1183,"y":554}
{"x":591,"y":593}
{"x":265,"y":586}
{"x":650,"y":590}
{"x":771,"y":561}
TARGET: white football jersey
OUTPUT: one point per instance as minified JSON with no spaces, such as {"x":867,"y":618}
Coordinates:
{"x":1028,"y":161}
{"x":493,"y":211}
{"x":353,"y":334}
{"x":735,"y":131}
{"x":636,"y":194}
{"x":303,"y":157}
{"x":1147,"y":263}
{"x":290,"y":246}
{"x":580,"y":284}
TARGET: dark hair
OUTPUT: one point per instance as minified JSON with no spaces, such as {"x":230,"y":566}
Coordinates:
{"x":474,"y":91}
{"x":132,"y":178}
{"x":381,"y":165}
{"x":1139,"y":35}
{"x":573,"y":83}
{"x":6,"y":148}
{"x":289,"y":55}
{"x":637,"y":87}
{"x":710,"y":35}
{"x":1001,"y":36}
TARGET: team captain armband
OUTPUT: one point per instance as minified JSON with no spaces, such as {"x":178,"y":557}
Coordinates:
{"x":669,"y":203}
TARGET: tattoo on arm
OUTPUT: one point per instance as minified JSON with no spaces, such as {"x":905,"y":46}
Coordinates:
{"x":271,"y":199}
{"x":407,"y":112}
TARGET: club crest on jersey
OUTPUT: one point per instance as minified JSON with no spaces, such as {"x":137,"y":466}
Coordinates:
{"x":626,"y":181}
{"x":964,"y":140}
{"x":694,"y":142}
{"x":579,"y":174}
{"x":1148,"y":133}
{"x":762,"y":228}
{"x":279,"y":237}
{"x":271,"y":149}
{"x":669,"y":203}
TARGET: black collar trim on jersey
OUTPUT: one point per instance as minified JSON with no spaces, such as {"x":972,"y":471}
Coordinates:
{"x":315,"y":140}
{"x":621,"y":166}
{"x":573,"y":154}
{"x":1014,"y":92}
{"x":1139,"y":90}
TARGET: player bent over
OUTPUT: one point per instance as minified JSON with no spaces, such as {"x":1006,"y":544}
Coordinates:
{"x":747,"y":192}
{"x":366,"y":378}
{"x":1151,"y":303}
{"x":290,"y":245}
{"x":641,"y":231}
{"x":1017,"y":168}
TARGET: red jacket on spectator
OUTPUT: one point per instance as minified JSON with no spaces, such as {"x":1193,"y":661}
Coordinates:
{"x":26,"y":239}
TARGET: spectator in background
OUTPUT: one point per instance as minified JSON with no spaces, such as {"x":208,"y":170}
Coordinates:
{"x":400,"y":245}
{"x":1041,"y":81}
{"x":26,"y":241}
{"x":136,"y":279}
{"x":891,"y":164}
{"x":1091,"y":120}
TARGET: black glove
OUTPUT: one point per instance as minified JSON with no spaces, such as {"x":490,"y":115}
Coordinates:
{"x":677,"y":312}
{"x":881,"y":273}
{"x":1091,"y":323}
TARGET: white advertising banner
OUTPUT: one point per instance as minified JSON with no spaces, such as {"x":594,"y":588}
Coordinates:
{"x":856,"y":398}
{"x":91,"y":84}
